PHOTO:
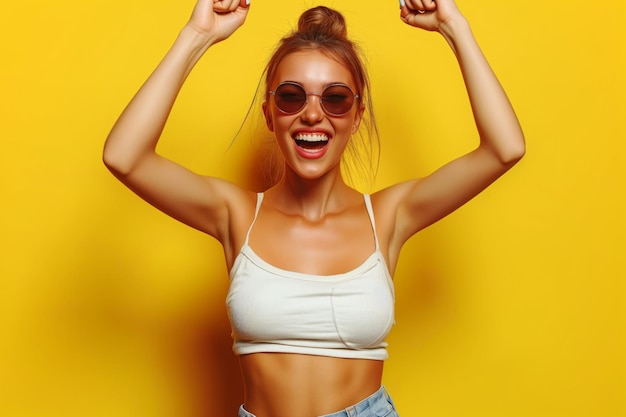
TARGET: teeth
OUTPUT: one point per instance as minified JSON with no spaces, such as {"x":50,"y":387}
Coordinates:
{"x":312,"y":137}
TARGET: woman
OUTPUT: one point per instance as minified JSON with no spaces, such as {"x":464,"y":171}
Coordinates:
{"x":311,"y":259}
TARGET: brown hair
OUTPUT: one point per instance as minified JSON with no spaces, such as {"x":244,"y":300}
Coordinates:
{"x":324,"y":29}
{"x":321,"y":29}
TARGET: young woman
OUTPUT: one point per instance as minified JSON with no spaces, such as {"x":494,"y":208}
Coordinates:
{"x":311,"y":259}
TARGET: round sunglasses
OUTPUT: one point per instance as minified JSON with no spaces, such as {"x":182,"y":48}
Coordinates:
{"x":336,"y":99}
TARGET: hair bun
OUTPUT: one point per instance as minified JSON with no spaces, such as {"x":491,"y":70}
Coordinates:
{"x":321,"y":20}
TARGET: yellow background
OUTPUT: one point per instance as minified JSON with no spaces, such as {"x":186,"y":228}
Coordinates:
{"x":512,"y":306}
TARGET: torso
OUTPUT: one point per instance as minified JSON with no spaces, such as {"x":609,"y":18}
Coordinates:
{"x":288,"y":385}
{"x":298,"y":385}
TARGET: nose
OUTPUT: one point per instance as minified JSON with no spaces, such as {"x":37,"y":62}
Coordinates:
{"x":312,"y":111}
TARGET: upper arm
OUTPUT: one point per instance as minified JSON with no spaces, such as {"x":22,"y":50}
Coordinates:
{"x":421,"y":202}
{"x":201,"y":202}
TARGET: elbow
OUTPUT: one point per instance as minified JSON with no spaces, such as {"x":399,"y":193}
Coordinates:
{"x":115,"y":162}
{"x":513,"y":155}
{"x":110,"y":161}
{"x":512,"y":151}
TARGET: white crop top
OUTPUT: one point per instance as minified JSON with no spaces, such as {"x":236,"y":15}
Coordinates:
{"x":346,"y":315}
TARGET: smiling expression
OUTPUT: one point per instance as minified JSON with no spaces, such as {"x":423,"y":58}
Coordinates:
{"x":311,"y":141}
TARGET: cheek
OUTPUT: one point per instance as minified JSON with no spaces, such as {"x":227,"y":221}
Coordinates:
{"x":281,"y":123}
{"x":347,"y":126}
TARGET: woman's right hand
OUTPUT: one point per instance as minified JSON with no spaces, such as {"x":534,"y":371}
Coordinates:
{"x":218,"y":19}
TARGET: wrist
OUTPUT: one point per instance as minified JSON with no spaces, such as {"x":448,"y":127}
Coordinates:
{"x":189,"y":46}
{"x":455,"y":30}
{"x":194,"y":39}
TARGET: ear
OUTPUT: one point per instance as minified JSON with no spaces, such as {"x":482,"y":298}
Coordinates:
{"x":357,"y":119}
{"x":268,"y":116}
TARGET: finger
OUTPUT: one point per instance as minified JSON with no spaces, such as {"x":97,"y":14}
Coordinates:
{"x":430,"y":5}
{"x":227,"y":6}
{"x":415,"y":5}
{"x":222,"y":6}
{"x":424,"y":20}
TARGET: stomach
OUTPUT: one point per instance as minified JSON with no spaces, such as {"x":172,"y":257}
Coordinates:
{"x":296,"y":385}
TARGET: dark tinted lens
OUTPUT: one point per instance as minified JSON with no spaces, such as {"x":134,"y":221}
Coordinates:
{"x":290,"y":98}
{"x":337,"y":99}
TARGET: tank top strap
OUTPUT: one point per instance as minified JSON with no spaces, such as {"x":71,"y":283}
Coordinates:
{"x":370,"y":212}
{"x":259,"y":200}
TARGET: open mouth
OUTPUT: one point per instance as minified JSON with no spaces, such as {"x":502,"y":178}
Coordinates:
{"x":311,"y":142}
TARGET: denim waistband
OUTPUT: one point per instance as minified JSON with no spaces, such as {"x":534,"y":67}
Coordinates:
{"x":379,"y":404}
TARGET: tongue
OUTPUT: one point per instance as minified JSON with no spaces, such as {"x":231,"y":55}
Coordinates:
{"x":310,"y":145}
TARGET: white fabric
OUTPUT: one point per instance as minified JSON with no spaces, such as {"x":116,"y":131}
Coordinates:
{"x":346,"y":315}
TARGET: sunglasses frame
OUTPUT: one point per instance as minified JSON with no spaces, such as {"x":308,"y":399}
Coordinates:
{"x":355,"y":97}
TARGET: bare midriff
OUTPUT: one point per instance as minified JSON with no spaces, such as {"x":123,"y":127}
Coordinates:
{"x":294,"y":385}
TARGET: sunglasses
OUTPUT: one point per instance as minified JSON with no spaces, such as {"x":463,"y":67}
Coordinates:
{"x":336,"y":99}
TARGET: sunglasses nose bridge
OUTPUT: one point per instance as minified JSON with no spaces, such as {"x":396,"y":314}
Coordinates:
{"x":311,"y":105}
{"x":319,"y":97}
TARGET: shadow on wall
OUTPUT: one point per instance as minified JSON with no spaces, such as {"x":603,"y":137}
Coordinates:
{"x":198,"y":354}
{"x":150,"y":322}
{"x":252,"y":159}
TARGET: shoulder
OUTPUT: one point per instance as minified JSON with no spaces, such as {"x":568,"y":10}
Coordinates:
{"x":389,"y":206}
{"x":238,"y":202}
{"x":238,"y":207}
{"x":387,"y":201}
{"x":214,"y":206}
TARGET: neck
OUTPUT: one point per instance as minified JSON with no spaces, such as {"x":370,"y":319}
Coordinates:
{"x":311,"y":198}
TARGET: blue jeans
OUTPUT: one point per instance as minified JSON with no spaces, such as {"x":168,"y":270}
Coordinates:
{"x":378,"y":404}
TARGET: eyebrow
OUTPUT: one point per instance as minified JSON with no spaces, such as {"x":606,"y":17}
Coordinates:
{"x":325,"y":86}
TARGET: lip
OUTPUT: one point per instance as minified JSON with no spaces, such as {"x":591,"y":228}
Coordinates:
{"x":309,"y":153}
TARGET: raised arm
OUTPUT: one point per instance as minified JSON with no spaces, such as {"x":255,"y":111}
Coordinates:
{"x":129,"y":151}
{"x":421,"y":202}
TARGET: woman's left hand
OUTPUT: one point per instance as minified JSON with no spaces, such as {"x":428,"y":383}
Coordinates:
{"x":429,"y":14}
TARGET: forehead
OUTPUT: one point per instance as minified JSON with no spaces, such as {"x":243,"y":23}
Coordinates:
{"x":312,"y":69}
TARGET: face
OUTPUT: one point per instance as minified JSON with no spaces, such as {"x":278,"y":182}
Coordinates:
{"x":311,"y":140}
